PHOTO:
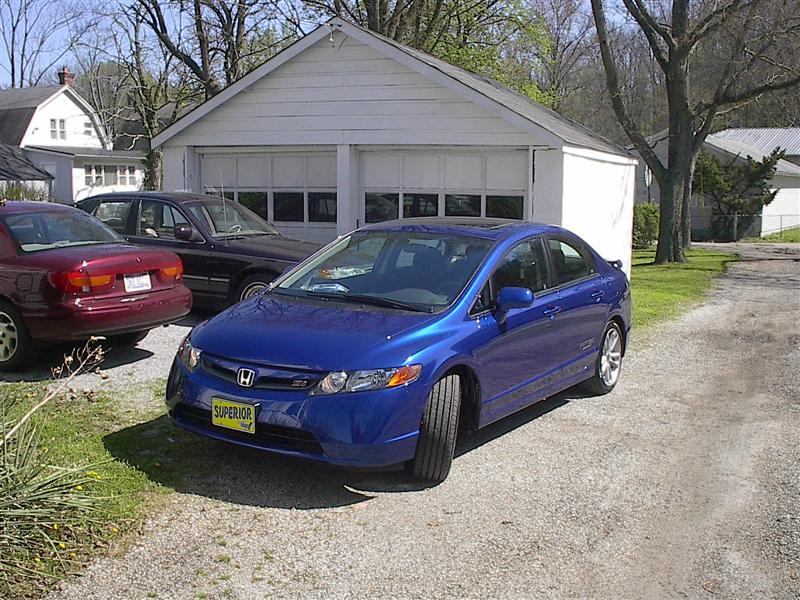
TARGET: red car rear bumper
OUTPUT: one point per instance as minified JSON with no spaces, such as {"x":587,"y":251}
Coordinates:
{"x":68,"y":321}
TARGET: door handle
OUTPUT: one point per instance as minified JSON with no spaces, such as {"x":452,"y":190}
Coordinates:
{"x":598,"y":293}
{"x":551,"y":311}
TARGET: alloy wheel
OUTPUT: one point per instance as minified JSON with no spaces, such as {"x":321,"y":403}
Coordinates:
{"x":611,"y":357}
{"x":252,"y":289}
{"x":9,"y":337}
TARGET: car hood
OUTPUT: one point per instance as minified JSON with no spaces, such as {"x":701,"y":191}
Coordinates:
{"x":269,"y":246}
{"x":303,"y":334}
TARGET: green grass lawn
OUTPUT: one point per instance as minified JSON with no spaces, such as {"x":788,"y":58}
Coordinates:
{"x":664,"y":291}
{"x":787,"y":235}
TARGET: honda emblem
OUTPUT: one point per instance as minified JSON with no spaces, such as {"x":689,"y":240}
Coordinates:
{"x":246,"y":377}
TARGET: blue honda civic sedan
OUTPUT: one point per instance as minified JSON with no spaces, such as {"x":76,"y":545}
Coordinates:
{"x":384,"y":345}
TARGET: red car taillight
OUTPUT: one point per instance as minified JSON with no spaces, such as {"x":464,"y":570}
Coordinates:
{"x":76,"y":282}
{"x":175,"y":272}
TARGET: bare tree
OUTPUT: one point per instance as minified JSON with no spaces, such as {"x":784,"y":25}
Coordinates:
{"x":216,"y":39}
{"x":36,"y":36}
{"x":753,"y":54}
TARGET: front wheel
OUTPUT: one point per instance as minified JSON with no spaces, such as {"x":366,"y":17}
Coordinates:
{"x":251,"y":286}
{"x":437,"y":433}
{"x":609,"y":362}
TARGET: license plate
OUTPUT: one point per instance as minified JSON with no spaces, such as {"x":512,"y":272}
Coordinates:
{"x":233,"y":415}
{"x":137,"y":283}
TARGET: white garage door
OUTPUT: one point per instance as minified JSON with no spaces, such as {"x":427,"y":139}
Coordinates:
{"x":295,"y":191}
{"x":415,"y":183}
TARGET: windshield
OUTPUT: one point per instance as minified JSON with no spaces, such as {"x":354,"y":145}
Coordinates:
{"x":229,"y":219}
{"x":412,"y":271}
{"x":37,"y":231}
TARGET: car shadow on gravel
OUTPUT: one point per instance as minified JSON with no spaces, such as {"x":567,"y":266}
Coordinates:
{"x":192,"y":464}
{"x":47,"y":359}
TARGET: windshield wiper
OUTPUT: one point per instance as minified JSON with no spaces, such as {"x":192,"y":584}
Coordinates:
{"x":373,"y":300}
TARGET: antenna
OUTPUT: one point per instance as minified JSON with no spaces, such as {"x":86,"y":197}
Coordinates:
{"x":224,"y":208}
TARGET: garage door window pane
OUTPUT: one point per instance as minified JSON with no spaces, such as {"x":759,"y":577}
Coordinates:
{"x":288,"y":206}
{"x":420,"y":205}
{"x":255,"y":201}
{"x":381,"y":207}
{"x":504,"y":207}
{"x":322,"y":207}
{"x":462,"y":205}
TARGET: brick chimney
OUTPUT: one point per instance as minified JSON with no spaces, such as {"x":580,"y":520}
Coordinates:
{"x":66,"y":77}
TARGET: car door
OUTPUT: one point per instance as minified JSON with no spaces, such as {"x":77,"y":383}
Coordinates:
{"x":155,"y":226}
{"x":519,"y":358}
{"x":581,"y":295}
{"x":117,"y":213}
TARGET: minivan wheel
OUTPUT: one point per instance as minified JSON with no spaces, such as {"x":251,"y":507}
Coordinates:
{"x":251,"y":286}
{"x":15,"y":344}
{"x":609,"y":362}
{"x":437,"y":433}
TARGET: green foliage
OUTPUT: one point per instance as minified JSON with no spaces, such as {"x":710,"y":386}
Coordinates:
{"x":40,"y":505}
{"x":738,"y":189}
{"x":22,"y":191}
{"x":662,"y":292}
{"x":645,"y":225}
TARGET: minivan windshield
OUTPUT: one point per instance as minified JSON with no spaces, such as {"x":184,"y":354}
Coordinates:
{"x":402,"y":270}
{"x":226,"y":218}
{"x":47,"y":230}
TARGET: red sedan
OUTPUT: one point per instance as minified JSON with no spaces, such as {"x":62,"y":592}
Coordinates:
{"x":65,"y":276}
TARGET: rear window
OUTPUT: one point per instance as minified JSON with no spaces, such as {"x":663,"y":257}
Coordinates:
{"x":39,"y":231}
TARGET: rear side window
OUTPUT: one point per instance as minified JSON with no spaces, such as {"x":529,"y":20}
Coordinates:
{"x":524,"y":266}
{"x":114,"y":213}
{"x":570,"y":261}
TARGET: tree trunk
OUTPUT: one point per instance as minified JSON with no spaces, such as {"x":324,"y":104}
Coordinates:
{"x":669,"y":196}
{"x":152,"y":170}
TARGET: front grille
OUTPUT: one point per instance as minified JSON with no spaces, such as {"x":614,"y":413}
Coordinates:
{"x":272,"y":436}
{"x":263,"y":382}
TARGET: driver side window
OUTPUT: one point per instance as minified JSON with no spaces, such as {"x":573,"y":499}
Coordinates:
{"x":525,"y":265}
{"x":158,"y":220}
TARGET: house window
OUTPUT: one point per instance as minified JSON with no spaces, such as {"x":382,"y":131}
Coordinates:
{"x":53,"y":129}
{"x":381,"y":207}
{"x":504,"y":207}
{"x":288,"y":206}
{"x":462,"y":205}
{"x":122,"y":174}
{"x":93,"y":175}
{"x":110,"y":175}
{"x":62,"y":130}
{"x":87,"y":128}
{"x":322,"y":207}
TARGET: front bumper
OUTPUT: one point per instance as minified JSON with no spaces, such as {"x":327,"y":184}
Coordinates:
{"x":363,"y":430}
{"x":72,"y":321}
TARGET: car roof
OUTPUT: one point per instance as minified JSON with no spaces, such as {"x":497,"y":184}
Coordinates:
{"x":23,"y":206}
{"x":488,"y":228}
{"x":177,"y":197}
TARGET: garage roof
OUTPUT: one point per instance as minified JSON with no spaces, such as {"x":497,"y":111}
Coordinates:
{"x":506,"y":103}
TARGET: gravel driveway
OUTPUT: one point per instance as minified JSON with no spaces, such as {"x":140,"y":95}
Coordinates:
{"x":684,"y":482}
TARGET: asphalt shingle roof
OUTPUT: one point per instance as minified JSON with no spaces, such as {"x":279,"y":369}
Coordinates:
{"x":15,"y":166}
{"x":17,"y":106}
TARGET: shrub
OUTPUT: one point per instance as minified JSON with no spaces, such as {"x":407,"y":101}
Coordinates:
{"x":645,"y":225}
{"x":22,"y":191}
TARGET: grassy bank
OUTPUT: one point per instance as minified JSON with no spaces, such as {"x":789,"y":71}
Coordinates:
{"x":788,"y":235}
{"x":664,"y":291}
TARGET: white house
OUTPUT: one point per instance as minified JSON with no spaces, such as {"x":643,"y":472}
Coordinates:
{"x":347,"y":127}
{"x":782,"y":213}
{"x":62,"y":134}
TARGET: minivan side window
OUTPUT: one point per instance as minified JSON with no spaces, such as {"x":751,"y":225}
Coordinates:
{"x":114,"y":213}
{"x":570,"y":261}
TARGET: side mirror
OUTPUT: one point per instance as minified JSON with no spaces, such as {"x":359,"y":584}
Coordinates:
{"x":511,"y":297}
{"x":185,"y":233}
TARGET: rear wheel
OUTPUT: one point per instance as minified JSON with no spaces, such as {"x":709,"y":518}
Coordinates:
{"x":15,"y":343}
{"x":127,"y":339}
{"x":437,"y":433}
{"x":609,"y":362}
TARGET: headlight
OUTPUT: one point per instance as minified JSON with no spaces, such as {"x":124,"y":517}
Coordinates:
{"x":188,"y":354}
{"x":372,"y":379}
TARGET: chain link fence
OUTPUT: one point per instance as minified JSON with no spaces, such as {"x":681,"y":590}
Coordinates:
{"x":708,"y":226}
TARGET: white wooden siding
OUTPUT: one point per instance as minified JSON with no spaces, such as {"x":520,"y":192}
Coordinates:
{"x":74,"y":116}
{"x":784,"y":211}
{"x":348,"y":93}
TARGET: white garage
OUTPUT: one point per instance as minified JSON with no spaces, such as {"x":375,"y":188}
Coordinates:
{"x":346,"y":127}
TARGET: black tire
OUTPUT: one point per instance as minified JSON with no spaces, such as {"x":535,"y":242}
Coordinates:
{"x":251,"y":285}
{"x":597,"y":385}
{"x":127,"y":339}
{"x":437,"y":432}
{"x":15,"y":343}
